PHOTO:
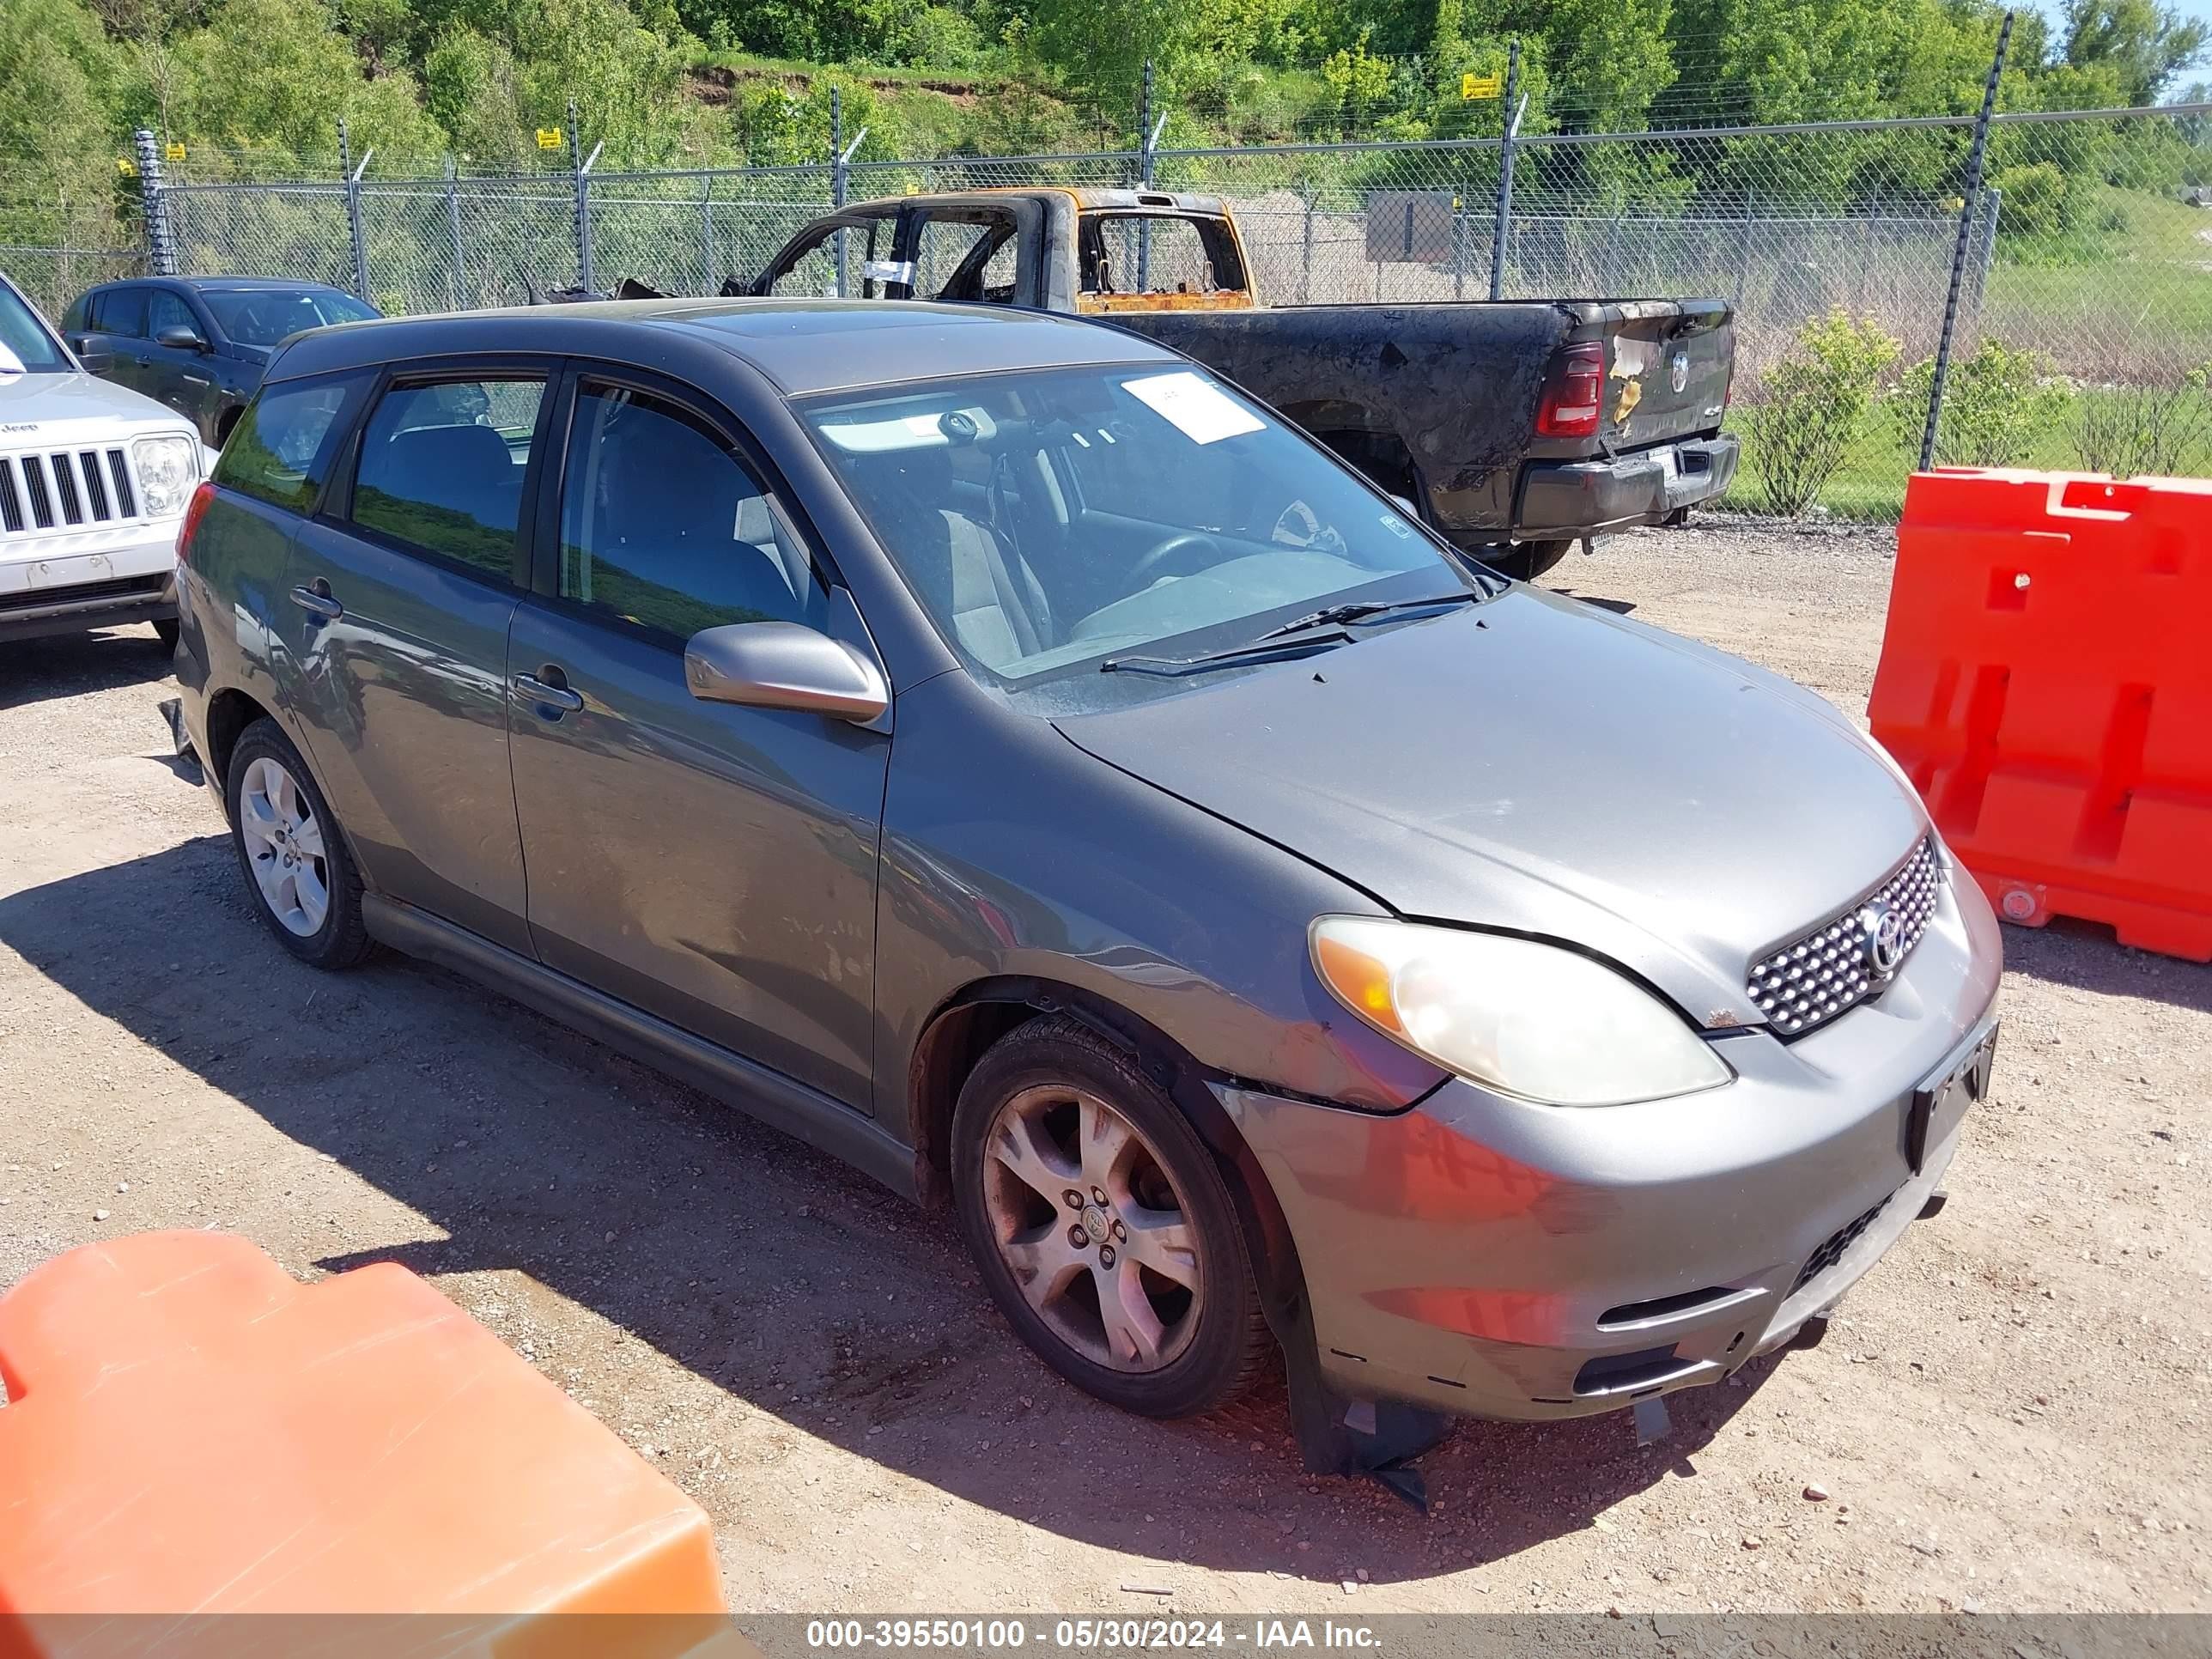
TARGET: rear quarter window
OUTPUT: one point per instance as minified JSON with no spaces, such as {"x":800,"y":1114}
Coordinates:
{"x":280,"y":448}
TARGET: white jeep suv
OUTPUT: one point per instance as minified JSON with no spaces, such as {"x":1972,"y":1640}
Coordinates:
{"x":93,"y":482}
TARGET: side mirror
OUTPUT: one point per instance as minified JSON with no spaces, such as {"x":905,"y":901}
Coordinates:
{"x":1408,"y":509}
{"x":178,"y":337}
{"x":781,"y":665}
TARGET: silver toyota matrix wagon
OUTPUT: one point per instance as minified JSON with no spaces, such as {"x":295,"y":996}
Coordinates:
{"x":994,"y":749}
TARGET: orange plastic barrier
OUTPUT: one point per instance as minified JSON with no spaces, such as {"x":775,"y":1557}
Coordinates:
{"x":2047,"y":681}
{"x":191,"y":1431}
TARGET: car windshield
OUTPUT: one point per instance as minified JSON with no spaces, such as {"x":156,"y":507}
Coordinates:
{"x":263,"y":316}
{"x":1050,"y":520}
{"x":25,"y":344}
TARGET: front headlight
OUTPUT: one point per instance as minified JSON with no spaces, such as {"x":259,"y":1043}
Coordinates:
{"x":167,"y":468}
{"x":1529,"y":1019}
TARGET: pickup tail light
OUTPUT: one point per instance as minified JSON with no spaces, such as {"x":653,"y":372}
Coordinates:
{"x":1573,"y":393}
{"x":195,"y":510}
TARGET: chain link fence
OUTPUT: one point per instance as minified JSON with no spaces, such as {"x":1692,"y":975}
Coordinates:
{"x":51,"y":276}
{"x":2084,"y":326}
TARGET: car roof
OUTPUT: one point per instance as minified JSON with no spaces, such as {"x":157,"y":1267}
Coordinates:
{"x":242,"y":284}
{"x":804,"y":346}
{"x":218,"y":284}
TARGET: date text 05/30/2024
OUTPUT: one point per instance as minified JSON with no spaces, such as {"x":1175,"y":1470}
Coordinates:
{"x":1261,"y":1636}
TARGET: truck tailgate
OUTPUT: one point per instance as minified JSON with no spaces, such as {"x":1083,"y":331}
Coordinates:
{"x":1667,"y":363}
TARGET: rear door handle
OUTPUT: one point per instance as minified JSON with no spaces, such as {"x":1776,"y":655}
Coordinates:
{"x":547,"y":696}
{"x":317,"y":602}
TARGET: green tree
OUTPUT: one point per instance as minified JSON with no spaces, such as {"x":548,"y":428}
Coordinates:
{"x":2145,"y":44}
{"x":57,"y":78}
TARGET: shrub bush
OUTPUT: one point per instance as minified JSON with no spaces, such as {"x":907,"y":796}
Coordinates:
{"x":1812,"y":406}
{"x":1994,"y":403}
{"x":2160,"y":427}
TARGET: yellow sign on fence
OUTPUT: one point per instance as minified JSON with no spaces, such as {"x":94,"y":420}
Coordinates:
{"x":549,"y":138}
{"x":173,"y":152}
{"x":1479,"y":86}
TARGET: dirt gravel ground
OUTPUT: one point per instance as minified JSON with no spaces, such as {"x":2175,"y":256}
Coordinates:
{"x":2011,"y":1412}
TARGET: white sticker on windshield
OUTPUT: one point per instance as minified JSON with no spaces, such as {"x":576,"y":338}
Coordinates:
{"x":1199,"y":409}
{"x":9,"y":362}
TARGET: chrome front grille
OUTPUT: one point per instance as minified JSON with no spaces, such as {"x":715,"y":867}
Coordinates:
{"x":65,"y":490}
{"x":1810,"y":980}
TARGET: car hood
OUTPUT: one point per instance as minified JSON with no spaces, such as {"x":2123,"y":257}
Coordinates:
{"x":34,"y":406}
{"x":1539,"y":765}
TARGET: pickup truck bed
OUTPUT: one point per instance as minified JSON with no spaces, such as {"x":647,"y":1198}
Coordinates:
{"x":1514,"y":427}
{"x":1443,"y":404}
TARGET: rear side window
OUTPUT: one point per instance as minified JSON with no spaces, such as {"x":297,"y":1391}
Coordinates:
{"x":441,"y":468}
{"x":120,"y":310}
{"x":968,"y":256}
{"x":281,"y":447}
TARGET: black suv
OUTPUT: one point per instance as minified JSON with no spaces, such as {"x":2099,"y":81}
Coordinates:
{"x":198,"y":344}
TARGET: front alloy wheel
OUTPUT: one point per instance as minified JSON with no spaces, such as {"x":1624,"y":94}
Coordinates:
{"x":1091,"y":1228}
{"x":1102,"y":1225}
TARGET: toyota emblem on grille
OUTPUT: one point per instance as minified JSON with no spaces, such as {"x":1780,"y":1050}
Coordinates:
{"x":1884,"y":929}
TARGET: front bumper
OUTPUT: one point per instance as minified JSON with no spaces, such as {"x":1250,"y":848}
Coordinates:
{"x":69,"y":583}
{"x":1563,"y":499}
{"x":1485,"y":1255}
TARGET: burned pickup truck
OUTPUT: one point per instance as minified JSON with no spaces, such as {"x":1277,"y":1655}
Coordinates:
{"x":1515,"y":427}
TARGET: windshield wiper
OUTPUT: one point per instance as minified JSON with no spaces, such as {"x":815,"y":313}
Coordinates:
{"x":1366,"y":609}
{"x":1236,"y":656}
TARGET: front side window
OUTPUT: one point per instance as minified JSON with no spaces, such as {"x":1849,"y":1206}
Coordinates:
{"x":663,"y":527}
{"x":263,"y":316}
{"x":1051,"y":519}
{"x":164,"y":310}
{"x":25,"y":344}
{"x":121,"y":312}
{"x":442,"y":464}
{"x":280,"y":448}
{"x":810,"y":270}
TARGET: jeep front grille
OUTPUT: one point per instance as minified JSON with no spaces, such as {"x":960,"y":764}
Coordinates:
{"x":65,"y":490}
{"x":1810,"y":980}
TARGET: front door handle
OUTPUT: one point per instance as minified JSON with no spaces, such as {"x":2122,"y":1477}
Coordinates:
{"x":317,"y":602}
{"x":546,"y":695}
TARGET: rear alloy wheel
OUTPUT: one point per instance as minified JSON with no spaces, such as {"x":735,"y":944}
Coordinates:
{"x":291,"y":852}
{"x":1103,"y":1224}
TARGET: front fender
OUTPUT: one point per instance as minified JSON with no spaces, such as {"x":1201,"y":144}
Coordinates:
{"x":1009,"y":853}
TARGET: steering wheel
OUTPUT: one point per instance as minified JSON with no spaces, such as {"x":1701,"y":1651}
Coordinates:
{"x":1182,"y":541}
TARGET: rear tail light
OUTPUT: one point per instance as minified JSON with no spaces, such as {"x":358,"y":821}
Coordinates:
{"x":1572,"y":393}
{"x":195,"y":510}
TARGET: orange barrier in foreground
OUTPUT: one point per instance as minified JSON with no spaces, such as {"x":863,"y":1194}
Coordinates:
{"x":2046,"y":682}
{"x":191,"y":1431}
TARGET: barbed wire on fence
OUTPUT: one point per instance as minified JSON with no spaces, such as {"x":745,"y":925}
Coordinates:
{"x":2085,"y":255}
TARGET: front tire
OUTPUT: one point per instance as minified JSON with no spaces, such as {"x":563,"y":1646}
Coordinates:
{"x":1526,"y":560}
{"x":294,"y":856}
{"x":1103,"y":1226}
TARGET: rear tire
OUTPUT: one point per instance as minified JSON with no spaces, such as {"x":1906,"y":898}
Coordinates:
{"x":166,"y":631}
{"x":1526,"y":560}
{"x":294,"y":856}
{"x":1145,"y":1300}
